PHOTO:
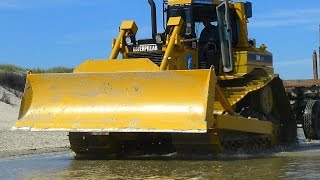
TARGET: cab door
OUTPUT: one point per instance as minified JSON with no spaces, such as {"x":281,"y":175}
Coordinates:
{"x":225,"y":34}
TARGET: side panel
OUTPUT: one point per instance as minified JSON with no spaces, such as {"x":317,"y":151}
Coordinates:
{"x":246,"y":61}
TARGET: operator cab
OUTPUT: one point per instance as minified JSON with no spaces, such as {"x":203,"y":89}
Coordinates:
{"x":231,"y":32}
{"x":200,"y":24}
{"x":219,"y":14}
{"x":192,"y":14}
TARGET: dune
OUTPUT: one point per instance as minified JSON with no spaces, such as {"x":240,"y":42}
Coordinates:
{"x":13,"y":143}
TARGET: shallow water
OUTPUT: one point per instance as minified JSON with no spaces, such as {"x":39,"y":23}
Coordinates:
{"x":300,"y":162}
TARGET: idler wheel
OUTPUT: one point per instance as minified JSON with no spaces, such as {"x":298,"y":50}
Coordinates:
{"x":266,"y":100}
{"x":311,"y":120}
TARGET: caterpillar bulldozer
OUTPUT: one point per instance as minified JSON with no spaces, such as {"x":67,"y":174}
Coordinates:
{"x":161,"y":96}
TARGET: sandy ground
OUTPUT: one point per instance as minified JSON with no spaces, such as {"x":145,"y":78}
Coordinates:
{"x":14,"y":143}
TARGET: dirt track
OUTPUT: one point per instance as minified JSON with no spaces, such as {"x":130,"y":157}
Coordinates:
{"x":20,"y":143}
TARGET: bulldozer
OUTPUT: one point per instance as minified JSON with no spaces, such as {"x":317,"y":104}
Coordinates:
{"x":167,"y":93}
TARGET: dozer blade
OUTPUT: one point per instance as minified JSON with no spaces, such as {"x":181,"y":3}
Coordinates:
{"x":154,"y":101}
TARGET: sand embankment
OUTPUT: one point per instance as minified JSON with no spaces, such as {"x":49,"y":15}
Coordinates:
{"x":24,"y":142}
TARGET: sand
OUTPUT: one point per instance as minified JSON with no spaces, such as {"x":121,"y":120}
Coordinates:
{"x":13,"y":143}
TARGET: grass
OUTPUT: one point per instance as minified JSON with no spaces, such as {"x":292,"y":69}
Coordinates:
{"x":12,"y":68}
{"x":14,"y":77}
{"x":18,"y":69}
{"x":5,"y":98}
{"x":53,"y":70}
{"x":12,"y":80}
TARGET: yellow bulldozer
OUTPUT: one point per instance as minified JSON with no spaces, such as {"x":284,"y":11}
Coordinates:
{"x":169,"y":93}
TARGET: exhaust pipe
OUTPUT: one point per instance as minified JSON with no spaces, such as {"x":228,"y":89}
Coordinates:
{"x":315,"y":65}
{"x":153,"y":18}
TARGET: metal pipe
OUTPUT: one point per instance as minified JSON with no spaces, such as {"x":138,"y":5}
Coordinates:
{"x":153,"y":18}
{"x":315,"y":65}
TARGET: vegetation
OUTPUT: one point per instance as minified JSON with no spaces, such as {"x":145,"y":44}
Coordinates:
{"x":5,"y":98}
{"x":17,"y":69}
{"x":14,"y":77}
{"x":12,"y":68}
{"x":53,"y":70}
{"x":12,"y":80}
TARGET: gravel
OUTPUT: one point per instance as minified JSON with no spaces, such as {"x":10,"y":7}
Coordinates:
{"x":14,"y":143}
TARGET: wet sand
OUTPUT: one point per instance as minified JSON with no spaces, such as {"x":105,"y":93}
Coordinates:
{"x":15,"y":143}
{"x":48,"y":157}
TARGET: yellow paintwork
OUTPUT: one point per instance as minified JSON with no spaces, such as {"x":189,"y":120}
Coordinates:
{"x":180,"y":2}
{"x":119,"y":101}
{"x":177,"y":23}
{"x":233,"y":95}
{"x":136,"y":95}
{"x":129,"y":25}
{"x":243,"y":31}
{"x":244,"y":66}
{"x":142,"y":64}
{"x":221,"y":97}
{"x":118,"y":44}
{"x":252,"y":125}
{"x":126,"y":26}
{"x":103,"y":102}
{"x":120,"y":95}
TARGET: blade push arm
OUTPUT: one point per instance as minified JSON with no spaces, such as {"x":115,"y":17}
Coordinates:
{"x":176,"y":23}
{"x":126,"y":27}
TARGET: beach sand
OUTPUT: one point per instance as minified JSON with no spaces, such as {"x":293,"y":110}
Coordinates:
{"x":13,"y":143}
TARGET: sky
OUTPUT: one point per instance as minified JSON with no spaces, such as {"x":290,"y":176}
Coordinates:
{"x":49,"y":33}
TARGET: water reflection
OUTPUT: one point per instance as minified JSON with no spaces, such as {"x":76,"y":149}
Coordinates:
{"x":272,"y":167}
{"x":296,"y":162}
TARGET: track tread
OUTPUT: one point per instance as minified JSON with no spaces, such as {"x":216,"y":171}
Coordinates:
{"x":308,"y":124}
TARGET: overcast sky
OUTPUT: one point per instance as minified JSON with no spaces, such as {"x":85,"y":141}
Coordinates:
{"x":48,"y":33}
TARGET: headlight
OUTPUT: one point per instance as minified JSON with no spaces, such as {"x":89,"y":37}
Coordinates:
{"x":158,"y":38}
{"x":129,"y":40}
